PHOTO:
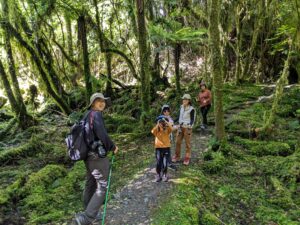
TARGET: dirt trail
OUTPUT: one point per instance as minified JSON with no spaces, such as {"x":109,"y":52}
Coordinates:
{"x":134,"y":202}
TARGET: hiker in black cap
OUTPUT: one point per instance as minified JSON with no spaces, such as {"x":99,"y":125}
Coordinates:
{"x":97,"y":164}
{"x":166,"y":111}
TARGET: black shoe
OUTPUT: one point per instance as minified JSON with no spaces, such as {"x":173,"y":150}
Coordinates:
{"x":82,"y":219}
{"x":98,"y":219}
{"x":158,"y":178}
{"x":165,"y":178}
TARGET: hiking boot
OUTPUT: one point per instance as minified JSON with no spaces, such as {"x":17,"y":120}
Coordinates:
{"x":186,"y":161}
{"x":158,"y":178}
{"x":172,"y":167}
{"x":98,"y":219}
{"x":82,"y":219}
{"x":165,"y":178}
{"x":175,"y":159}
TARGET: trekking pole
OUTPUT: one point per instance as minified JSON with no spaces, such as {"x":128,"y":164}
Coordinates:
{"x":107,"y":192}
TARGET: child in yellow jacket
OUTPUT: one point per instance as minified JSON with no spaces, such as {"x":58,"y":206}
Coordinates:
{"x":162,"y":132}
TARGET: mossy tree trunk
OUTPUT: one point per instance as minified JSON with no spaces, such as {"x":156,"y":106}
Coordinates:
{"x":107,"y":55}
{"x":177,"y":53}
{"x":109,"y":90}
{"x":9,"y":92}
{"x":144,"y":58}
{"x":238,"y":45}
{"x":82,"y":38}
{"x":282,"y":81}
{"x":70,"y":47}
{"x":257,"y":28}
{"x":216,"y":67}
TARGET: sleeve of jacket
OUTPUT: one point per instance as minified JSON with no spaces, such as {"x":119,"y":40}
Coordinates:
{"x":154,"y":130}
{"x":101,"y":133}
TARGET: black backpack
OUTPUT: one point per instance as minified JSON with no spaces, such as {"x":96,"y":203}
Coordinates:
{"x":79,"y":138}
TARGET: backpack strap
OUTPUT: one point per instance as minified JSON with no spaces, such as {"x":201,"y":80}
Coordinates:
{"x":91,"y":120}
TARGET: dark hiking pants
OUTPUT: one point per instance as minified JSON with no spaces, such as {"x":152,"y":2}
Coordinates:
{"x":204,"y":111}
{"x":96,"y":184}
{"x":162,"y":160}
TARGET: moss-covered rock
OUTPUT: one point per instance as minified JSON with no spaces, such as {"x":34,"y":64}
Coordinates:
{"x":44,"y":177}
{"x":271,"y":148}
{"x":263,"y":148}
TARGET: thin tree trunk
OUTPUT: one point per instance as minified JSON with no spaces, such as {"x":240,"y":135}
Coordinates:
{"x":109,"y":90}
{"x":12,"y":100}
{"x":70,"y":46}
{"x":238,"y":46}
{"x":257,"y":29}
{"x":144,"y":58}
{"x":85,"y":55}
{"x":216,"y":62}
{"x":107,"y":55}
{"x":177,"y":53}
{"x":283,"y":80}
{"x":132,"y":17}
{"x":69,"y":36}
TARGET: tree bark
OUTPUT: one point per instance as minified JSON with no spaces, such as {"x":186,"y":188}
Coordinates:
{"x":82,"y":37}
{"x":238,"y":45}
{"x":12,"y":100}
{"x":283,"y":80}
{"x":144,"y":56}
{"x":107,"y":55}
{"x":109,"y":90}
{"x":257,"y":29}
{"x":177,"y":53}
{"x":214,"y":41}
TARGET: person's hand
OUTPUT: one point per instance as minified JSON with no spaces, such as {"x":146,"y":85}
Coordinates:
{"x":116,"y":150}
{"x":169,"y":124}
